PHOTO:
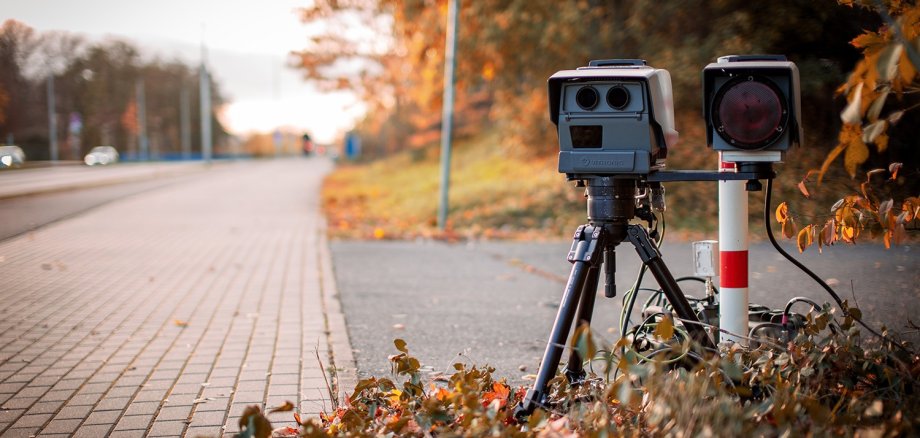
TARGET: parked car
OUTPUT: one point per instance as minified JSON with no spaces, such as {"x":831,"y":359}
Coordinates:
{"x":11,"y":156}
{"x":101,"y":155}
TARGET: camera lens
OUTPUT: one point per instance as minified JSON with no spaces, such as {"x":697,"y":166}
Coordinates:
{"x":587,"y":98}
{"x":618,"y":97}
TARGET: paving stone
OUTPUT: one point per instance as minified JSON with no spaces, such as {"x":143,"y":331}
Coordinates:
{"x":62,"y":426}
{"x":69,"y":411}
{"x":121,"y":391}
{"x":33,"y":391}
{"x":204,"y":432}
{"x":248,"y":397}
{"x":19,"y":402}
{"x":103,"y":417}
{"x":9,"y":416}
{"x":85,"y":399}
{"x":208,"y":418}
{"x":151,"y":395}
{"x":20,"y":432}
{"x":112,"y":403}
{"x":134,"y":422}
{"x":167,"y":428}
{"x":131,"y":434}
{"x":32,"y":420}
{"x":93,"y":431}
{"x":174,"y":413}
{"x":142,"y":408}
{"x":58,"y":395}
{"x":45,"y":407}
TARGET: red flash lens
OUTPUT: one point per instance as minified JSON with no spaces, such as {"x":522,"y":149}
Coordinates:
{"x":750,"y":114}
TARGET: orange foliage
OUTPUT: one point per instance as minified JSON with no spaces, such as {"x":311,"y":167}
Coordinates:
{"x":888,"y":69}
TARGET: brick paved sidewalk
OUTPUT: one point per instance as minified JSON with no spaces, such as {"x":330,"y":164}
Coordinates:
{"x":167,"y":313}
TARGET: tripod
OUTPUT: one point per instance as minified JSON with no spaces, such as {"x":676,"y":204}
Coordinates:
{"x":611,"y":205}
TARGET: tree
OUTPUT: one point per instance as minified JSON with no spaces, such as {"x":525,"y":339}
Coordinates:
{"x":95,"y":80}
{"x":881,"y":111}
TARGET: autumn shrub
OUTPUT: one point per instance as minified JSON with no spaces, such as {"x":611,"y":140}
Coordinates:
{"x":827,"y":380}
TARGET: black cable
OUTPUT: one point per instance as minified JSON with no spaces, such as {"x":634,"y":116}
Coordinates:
{"x":632,"y":301}
{"x":766,"y":219}
{"x":792,"y":302}
{"x":763,"y":325}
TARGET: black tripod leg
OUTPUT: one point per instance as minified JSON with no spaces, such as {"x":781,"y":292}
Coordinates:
{"x":583,"y":256}
{"x":574,"y":371}
{"x":652,"y":258}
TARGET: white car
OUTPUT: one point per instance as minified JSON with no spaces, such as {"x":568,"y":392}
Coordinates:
{"x":101,"y":155}
{"x":11,"y":156}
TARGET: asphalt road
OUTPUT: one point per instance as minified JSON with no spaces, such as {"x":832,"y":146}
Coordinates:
{"x":494,"y":303}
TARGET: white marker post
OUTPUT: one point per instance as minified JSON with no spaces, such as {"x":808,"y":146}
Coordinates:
{"x":733,"y":257}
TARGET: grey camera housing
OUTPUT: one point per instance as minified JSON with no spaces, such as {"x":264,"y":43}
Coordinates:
{"x":780,"y":75}
{"x":617,"y":135}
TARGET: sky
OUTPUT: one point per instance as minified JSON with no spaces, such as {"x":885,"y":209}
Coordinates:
{"x":247,"y":40}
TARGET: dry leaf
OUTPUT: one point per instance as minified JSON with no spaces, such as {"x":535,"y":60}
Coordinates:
{"x":789,"y":228}
{"x":804,"y":239}
{"x":665,"y":328}
{"x":893,"y":168}
{"x":287,"y":406}
{"x":782,"y":212}
{"x":804,"y":189}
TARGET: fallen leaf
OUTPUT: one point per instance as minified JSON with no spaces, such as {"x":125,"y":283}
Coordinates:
{"x":180,"y":323}
{"x":287,"y":406}
{"x":285,"y":432}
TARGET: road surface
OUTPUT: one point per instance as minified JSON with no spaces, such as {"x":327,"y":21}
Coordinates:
{"x":494,"y":303}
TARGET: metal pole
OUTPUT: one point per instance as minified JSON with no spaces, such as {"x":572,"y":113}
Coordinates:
{"x":141,"y":120}
{"x":52,"y":119}
{"x":733,"y":257}
{"x":447,"y":115}
{"x":185,"y":122}
{"x":205,"y":95}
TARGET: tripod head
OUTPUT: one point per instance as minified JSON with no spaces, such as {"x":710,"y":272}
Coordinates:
{"x":613,"y":201}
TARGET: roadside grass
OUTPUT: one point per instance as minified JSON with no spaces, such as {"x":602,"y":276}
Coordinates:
{"x":494,"y":193}
{"x":497,"y":192}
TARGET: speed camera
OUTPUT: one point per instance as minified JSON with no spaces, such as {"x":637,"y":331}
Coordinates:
{"x":613,"y":117}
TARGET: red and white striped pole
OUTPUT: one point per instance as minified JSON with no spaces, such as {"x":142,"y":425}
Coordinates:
{"x":733,"y":257}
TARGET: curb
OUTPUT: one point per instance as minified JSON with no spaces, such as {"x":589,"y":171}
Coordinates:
{"x":340,"y":351}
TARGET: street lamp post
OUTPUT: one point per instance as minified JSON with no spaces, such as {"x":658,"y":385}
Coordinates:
{"x":52,"y":119}
{"x":447,"y":115}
